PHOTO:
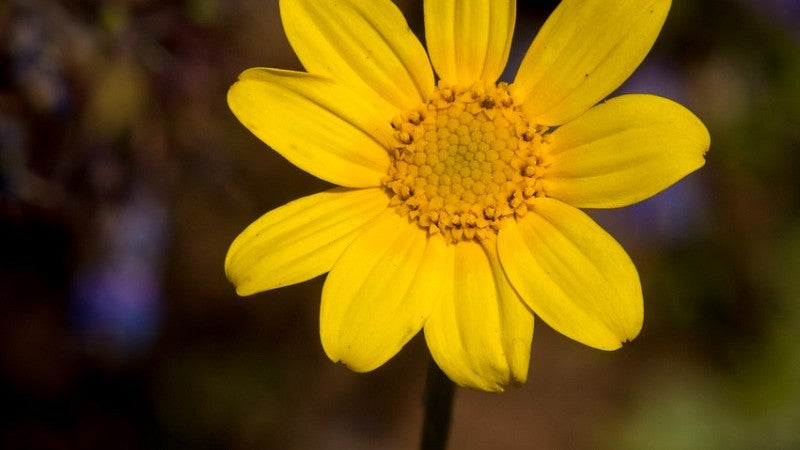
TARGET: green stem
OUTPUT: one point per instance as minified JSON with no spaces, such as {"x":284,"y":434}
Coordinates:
{"x":438,"y":405}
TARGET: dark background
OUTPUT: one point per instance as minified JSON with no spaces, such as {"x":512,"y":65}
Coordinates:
{"x":124,"y":178}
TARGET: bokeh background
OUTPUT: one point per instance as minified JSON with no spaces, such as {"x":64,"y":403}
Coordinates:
{"x":124,"y":177}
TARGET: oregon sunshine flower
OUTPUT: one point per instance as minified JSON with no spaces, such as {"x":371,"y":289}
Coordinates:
{"x":457,"y":210}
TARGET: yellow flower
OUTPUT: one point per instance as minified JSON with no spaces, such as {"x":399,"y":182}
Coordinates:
{"x":457,"y":210}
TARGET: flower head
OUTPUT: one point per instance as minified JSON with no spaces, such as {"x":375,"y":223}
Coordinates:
{"x":457,"y":206}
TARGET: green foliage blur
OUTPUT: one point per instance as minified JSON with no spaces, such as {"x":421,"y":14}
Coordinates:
{"x":124,"y":177}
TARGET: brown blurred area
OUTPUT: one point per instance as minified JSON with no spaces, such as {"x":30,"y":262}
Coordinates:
{"x":124,"y":177}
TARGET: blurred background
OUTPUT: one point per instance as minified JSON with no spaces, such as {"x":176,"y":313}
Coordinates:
{"x":124,"y":178}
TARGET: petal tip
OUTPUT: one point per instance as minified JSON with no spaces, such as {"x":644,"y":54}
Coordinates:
{"x":244,"y":290}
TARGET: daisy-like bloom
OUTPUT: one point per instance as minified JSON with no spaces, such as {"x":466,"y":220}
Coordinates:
{"x":456,"y":210}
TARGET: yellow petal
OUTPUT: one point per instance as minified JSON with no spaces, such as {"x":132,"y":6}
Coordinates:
{"x":572,"y":274}
{"x":469,"y":40}
{"x":301,"y":239}
{"x":584,"y":51}
{"x":516,"y":319}
{"x":481,"y":332}
{"x":380,"y":292}
{"x":316,"y":123}
{"x":624,"y":151}
{"x":366,"y":44}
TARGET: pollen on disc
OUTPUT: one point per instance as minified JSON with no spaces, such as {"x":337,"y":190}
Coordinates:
{"x":465,"y":161}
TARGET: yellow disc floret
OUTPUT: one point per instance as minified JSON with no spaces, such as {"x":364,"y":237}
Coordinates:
{"x":465,"y":161}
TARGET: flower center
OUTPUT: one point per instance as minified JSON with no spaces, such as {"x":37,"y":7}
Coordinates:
{"x":465,"y":161}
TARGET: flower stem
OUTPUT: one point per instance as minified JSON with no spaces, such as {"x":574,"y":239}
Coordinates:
{"x":438,"y":403}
